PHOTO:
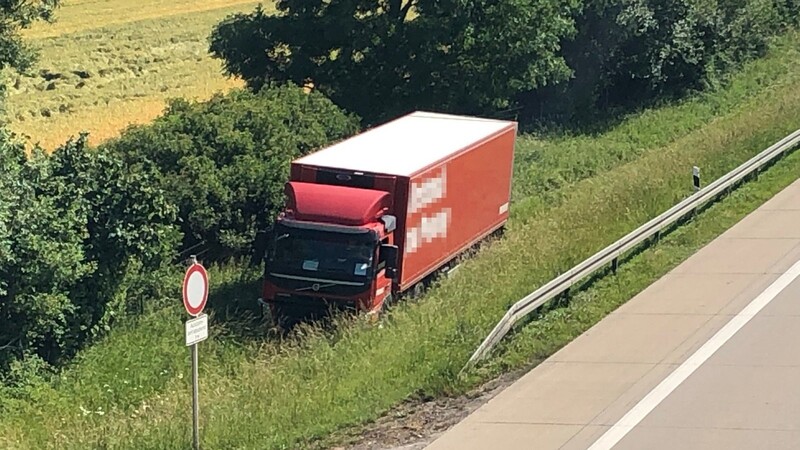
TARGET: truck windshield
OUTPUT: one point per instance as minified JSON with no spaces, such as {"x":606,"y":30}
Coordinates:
{"x":327,"y":255}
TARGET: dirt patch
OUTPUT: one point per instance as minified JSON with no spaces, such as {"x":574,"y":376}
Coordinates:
{"x":414,"y":424}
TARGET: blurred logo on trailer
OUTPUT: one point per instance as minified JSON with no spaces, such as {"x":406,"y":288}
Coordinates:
{"x":433,"y":225}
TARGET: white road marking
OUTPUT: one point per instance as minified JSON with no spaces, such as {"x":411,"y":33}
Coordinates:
{"x":646,"y":405}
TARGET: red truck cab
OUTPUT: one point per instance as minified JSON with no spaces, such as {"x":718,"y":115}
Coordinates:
{"x":368,"y":218}
{"x":333,"y":247}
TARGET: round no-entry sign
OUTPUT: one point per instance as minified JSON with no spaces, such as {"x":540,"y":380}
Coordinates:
{"x":195,"y":289}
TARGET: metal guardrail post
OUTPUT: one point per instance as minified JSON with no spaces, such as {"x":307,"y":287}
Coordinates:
{"x":611,"y":254}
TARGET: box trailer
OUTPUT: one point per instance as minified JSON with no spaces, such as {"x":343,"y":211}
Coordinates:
{"x":371,"y":217}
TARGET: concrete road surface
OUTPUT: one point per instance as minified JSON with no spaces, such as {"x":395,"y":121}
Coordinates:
{"x":708,"y":357}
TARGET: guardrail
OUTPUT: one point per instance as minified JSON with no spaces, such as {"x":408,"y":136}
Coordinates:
{"x":611,"y":254}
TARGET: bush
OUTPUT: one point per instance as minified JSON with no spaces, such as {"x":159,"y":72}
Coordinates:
{"x":72,"y":225}
{"x":633,"y":52}
{"x":224,"y":162}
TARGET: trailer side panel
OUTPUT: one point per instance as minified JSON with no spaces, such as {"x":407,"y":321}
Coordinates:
{"x":455,"y":203}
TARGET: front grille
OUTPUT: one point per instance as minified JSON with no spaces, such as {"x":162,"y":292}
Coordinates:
{"x":324,"y":287}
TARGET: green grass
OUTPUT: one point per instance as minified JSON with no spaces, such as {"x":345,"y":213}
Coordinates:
{"x":256,"y":393}
{"x":545,"y":165}
{"x":541,"y":338}
{"x":132,"y":55}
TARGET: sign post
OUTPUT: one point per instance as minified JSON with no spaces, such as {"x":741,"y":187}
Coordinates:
{"x":696,"y":178}
{"x":195,"y":295}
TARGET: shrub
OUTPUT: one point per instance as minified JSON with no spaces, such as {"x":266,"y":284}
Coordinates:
{"x":632,"y":52}
{"x":224,"y":162}
{"x":87,"y":235}
{"x":72,"y":224}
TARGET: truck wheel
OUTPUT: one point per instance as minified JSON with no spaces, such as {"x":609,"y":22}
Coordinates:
{"x":418,"y":290}
{"x":388,"y":303}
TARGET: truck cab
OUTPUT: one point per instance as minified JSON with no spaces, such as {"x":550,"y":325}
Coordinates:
{"x":333,"y":249}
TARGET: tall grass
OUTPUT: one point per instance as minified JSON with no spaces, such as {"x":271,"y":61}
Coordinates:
{"x":258,"y":393}
{"x":546,"y":164}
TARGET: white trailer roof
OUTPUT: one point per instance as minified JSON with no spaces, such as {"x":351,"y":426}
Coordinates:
{"x":406,"y":145}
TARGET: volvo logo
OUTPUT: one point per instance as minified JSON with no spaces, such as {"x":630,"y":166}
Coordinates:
{"x":316,"y":287}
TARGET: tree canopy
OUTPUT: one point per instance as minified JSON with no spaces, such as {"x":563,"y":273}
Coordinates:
{"x":16,"y":15}
{"x":77,"y":228}
{"x":627,"y":53}
{"x":556,"y":57}
{"x":383,"y":58}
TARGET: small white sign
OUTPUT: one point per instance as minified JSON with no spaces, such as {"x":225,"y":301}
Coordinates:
{"x":196,"y":329}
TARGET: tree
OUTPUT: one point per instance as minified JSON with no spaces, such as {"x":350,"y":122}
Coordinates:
{"x":41,"y":256}
{"x":16,"y":15}
{"x":383,"y":58}
{"x":76,"y":227}
{"x":627,"y":53}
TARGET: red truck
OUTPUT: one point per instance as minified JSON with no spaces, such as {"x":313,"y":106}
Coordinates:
{"x":371,"y":217}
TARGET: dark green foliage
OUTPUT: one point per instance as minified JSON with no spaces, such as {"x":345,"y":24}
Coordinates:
{"x":87,"y":235}
{"x":224,"y":162}
{"x":632,"y":52}
{"x":16,"y":15}
{"x":383,"y":58}
{"x":559,"y":58}
{"x":75,"y":228}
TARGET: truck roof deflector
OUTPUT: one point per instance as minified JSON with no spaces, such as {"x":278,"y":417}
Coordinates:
{"x":335,"y":204}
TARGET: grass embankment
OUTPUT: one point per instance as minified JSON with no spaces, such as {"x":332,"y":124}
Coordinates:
{"x":105,"y":65}
{"x":132,"y":390}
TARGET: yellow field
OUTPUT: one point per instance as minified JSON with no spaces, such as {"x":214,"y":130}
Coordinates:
{"x":106,"y":64}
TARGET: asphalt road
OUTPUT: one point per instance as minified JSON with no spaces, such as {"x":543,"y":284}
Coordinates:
{"x":707,"y":357}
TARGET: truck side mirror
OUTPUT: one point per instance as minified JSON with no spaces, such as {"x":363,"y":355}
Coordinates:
{"x":389,"y":222}
{"x":389,"y":255}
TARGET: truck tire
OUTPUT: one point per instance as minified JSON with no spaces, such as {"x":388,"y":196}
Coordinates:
{"x":499,"y":233}
{"x":418,"y":290}
{"x":388,"y":304}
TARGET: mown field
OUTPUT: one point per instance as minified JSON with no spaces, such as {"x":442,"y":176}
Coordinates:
{"x":573,"y":194}
{"x":107,"y":64}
